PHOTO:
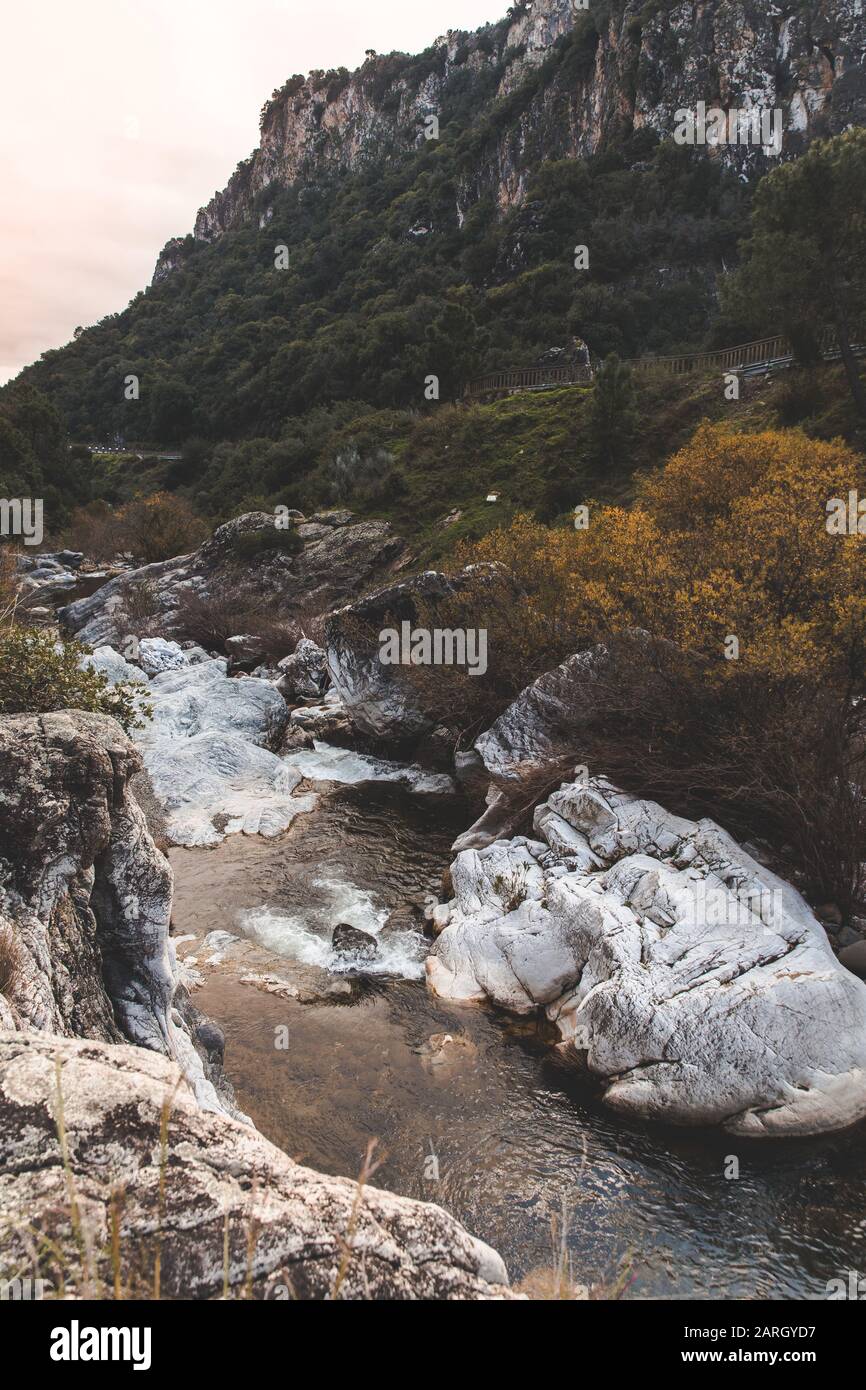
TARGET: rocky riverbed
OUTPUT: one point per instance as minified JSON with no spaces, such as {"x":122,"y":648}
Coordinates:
{"x":584,"y":1028}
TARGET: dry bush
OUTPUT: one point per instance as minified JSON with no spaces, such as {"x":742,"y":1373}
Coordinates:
{"x":8,"y":586}
{"x":97,"y":531}
{"x":161,"y":527}
{"x":525,"y":633}
{"x":782,"y":762}
{"x":210,"y":620}
{"x":141,"y":606}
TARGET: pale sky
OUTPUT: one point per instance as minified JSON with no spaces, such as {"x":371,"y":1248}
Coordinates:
{"x":120,"y":118}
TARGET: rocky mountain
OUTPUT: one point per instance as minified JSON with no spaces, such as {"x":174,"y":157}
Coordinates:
{"x":618,"y":66}
{"x":354,"y":265}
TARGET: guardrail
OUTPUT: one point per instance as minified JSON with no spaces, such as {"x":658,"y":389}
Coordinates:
{"x":527,"y":379}
{"x":761,"y":352}
{"x":743,"y":355}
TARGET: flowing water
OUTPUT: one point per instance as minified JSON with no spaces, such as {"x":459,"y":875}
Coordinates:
{"x":488,"y":1125}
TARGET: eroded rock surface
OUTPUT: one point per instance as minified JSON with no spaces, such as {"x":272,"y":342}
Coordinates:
{"x":304,"y":673}
{"x":695,"y":985}
{"x":378,"y":700}
{"x":292,"y":1233}
{"x":331,"y":567}
{"x":85,"y":895}
{"x":209,"y":750}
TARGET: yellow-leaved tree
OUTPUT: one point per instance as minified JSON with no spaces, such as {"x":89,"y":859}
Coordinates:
{"x":743,"y":560}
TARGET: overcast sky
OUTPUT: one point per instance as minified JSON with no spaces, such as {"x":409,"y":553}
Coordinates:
{"x":120,"y":118}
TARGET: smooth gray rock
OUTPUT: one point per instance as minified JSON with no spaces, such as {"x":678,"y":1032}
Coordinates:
{"x":854,"y":958}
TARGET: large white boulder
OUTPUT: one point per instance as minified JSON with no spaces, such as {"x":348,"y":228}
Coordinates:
{"x":694,"y":984}
{"x":208,"y":752}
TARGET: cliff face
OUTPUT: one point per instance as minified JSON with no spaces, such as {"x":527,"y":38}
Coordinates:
{"x":556,"y":81}
{"x":85,"y":895}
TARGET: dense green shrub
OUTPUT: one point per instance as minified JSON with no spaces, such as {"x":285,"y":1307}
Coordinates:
{"x":39,"y":675}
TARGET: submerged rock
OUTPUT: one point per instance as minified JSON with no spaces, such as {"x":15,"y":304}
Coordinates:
{"x":351,"y":941}
{"x":287,"y":1227}
{"x":694,"y":984}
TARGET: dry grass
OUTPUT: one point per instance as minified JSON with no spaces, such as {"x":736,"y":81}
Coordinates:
{"x":8,"y":586}
{"x":114,"y":1272}
{"x":368,"y":1168}
{"x":10,"y":964}
{"x":557,"y":1281}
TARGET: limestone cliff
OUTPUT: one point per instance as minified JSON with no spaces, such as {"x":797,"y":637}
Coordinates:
{"x":554,"y":80}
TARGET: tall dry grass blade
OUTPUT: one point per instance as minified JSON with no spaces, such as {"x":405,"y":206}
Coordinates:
{"x":368,"y":1168}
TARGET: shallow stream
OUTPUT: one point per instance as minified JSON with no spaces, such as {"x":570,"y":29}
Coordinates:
{"x":488,"y":1124}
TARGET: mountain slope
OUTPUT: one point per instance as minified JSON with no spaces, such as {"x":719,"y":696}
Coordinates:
{"x":408,"y":258}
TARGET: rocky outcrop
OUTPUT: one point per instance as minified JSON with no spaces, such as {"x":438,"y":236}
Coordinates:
{"x":540,"y":725}
{"x":694,"y":985}
{"x":305,"y":673}
{"x":333,"y":565}
{"x":85,"y":895}
{"x":600,"y":76}
{"x":377,"y":698}
{"x":220,"y":1207}
{"x":209,"y":746}
{"x":48,"y":579}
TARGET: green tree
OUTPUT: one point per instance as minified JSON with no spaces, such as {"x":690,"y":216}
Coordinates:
{"x":804,"y":266}
{"x":613,"y":413}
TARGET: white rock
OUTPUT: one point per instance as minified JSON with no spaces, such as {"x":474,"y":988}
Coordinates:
{"x":323,"y":763}
{"x":114,"y":666}
{"x":156,"y":655}
{"x":208,"y":755}
{"x":695,"y":984}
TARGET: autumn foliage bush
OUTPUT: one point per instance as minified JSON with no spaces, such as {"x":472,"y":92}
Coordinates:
{"x":729,"y":540}
{"x":157,"y":527}
{"x":743,"y":697}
